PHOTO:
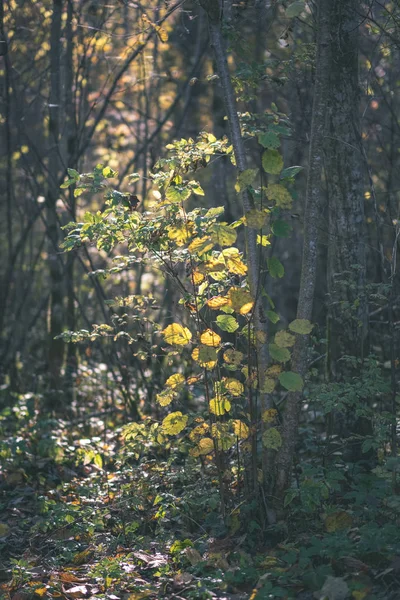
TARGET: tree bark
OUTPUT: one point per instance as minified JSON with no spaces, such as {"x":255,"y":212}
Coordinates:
{"x":310,"y":246}
{"x":345,"y":174}
{"x":56,"y":310}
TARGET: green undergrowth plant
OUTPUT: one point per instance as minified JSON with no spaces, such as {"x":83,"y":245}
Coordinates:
{"x":209,"y":400}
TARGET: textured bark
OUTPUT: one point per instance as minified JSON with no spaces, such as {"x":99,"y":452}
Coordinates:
{"x":56,"y":316}
{"x":345,"y":174}
{"x":310,"y":245}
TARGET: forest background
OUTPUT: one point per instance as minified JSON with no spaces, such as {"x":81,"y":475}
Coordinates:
{"x":199,"y":299}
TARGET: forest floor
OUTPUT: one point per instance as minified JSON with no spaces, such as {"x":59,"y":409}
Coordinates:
{"x":86,"y":515}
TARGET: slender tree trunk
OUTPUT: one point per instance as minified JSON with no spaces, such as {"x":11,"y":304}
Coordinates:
{"x":56,"y":316}
{"x":310,"y":247}
{"x":212,"y":9}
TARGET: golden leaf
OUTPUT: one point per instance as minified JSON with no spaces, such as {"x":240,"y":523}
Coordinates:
{"x":241,"y":429}
{"x":241,"y":300}
{"x":175,"y":381}
{"x":234,"y":387}
{"x":219,"y":405}
{"x":210,"y":338}
{"x":177,"y":335}
{"x":174,"y":423}
{"x":216,"y":302}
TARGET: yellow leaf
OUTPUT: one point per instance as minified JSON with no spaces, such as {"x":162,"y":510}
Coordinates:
{"x":216,"y":302}
{"x":233,"y":357}
{"x":198,"y":432}
{"x":177,"y":335}
{"x":40,"y":591}
{"x":175,"y":381}
{"x":174,"y":423}
{"x":201,"y":245}
{"x":241,"y":300}
{"x":234,"y":387}
{"x":219,"y":405}
{"x":180,"y":234}
{"x":197,"y":277}
{"x":240,"y":429}
{"x":205,"y":356}
{"x":233,"y":261}
{"x":255,"y":219}
{"x":210,"y":338}
{"x":204,"y":447}
{"x":165,"y":397}
{"x":280,"y":195}
{"x":263,"y":240}
{"x":269,"y":415}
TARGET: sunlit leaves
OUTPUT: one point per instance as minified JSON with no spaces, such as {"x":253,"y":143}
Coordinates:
{"x":241,"y":300}
{"x":233,"y":261}
{"x":301,"y":326}
{"x":201,"y":245}
{"x":210,"y":338}
{"x":176,"y":381}
{"x":219,"y":405}
{"x":205,"y":356}
{"x":240,"y":429}
{"x":234,"y":386}
{"x":180,"y":233}
{"x":165,"y":397}
{"x":272,"y":161}
{"x":222,"y":234}
{"x":293,"y":382}
{"x":227,"y":323}
{"x":174,"y":423}
{"x":272,"y":439}
{"x":177,"y":335}
{"x":177,"y":193}
{"x":216,"y":302}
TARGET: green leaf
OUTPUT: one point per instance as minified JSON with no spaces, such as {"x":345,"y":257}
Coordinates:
{"x":272,"y":316}
{"x":269,"y":140}
{"x":281,"y":228}
{"x":275,"y":267}
{"x":177,"y":193}
{"x":227,"y":323}
{"x":272,"y":162}
{"x":291,"y":172}
{"x":73,"y":174}
{"x":272,"y":439}
{"x":295,"y":9}
{"x":279,"y":354}
{"x":302,"y":326}
{"x":291,"y":381}
{"x":222,"y":234}
{"x":109,"y":173}
{"x":245,"y":178}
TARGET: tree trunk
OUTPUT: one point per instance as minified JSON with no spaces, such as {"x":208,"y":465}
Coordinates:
{"x":310,"y":246}
{"x":345,"y":172}
{"x":56,"y":311}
